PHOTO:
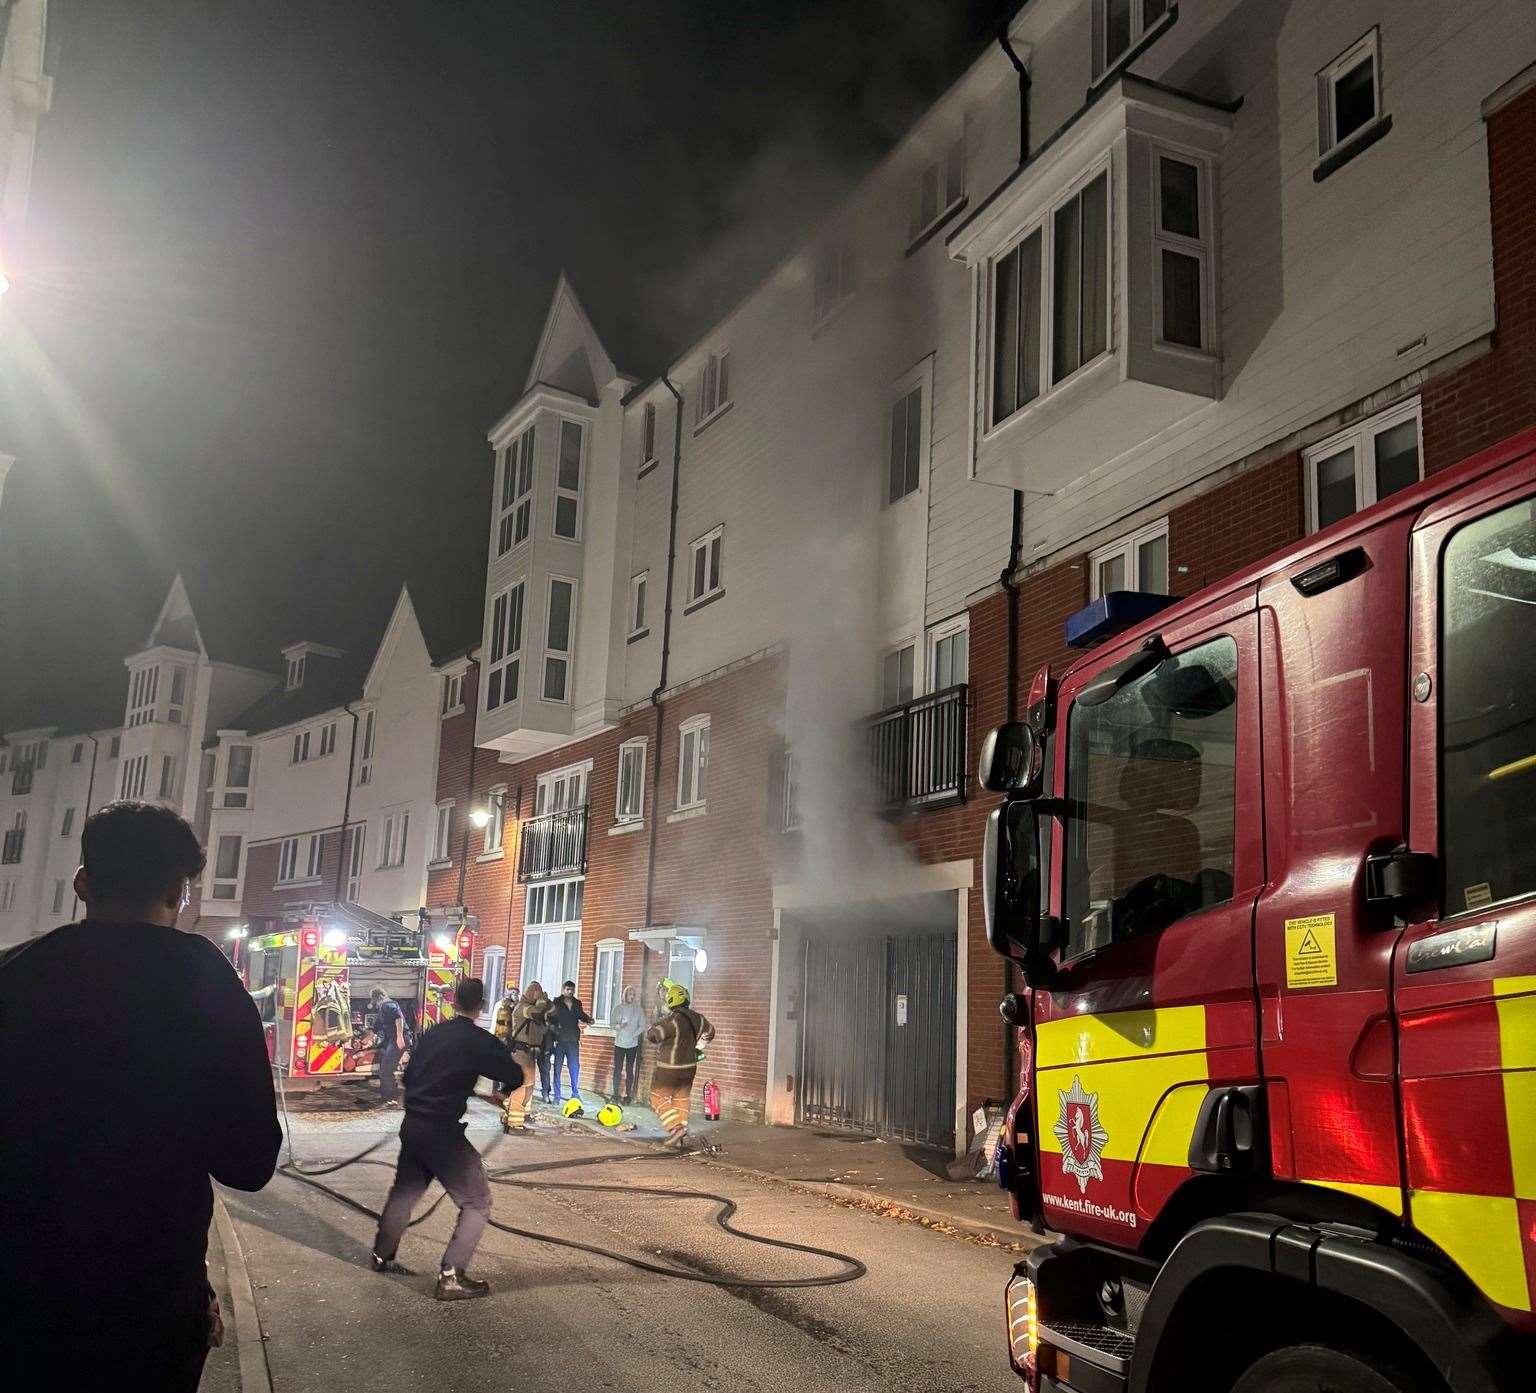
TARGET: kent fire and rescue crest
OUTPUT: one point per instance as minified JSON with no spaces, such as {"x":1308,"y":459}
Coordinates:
{"x":1081,"y":1134}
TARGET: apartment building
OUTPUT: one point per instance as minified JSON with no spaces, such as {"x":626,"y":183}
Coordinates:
{"x":1151,"y":291}
{"x":321,"y":792}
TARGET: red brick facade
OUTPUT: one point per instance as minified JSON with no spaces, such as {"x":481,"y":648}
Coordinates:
{"x":263,"y":898}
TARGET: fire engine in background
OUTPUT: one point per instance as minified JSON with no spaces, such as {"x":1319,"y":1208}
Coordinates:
{"x":1267,"y":860}
{"x":312,"y":981}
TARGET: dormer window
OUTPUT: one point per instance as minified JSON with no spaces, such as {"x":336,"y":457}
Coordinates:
{"x":295,"y":672}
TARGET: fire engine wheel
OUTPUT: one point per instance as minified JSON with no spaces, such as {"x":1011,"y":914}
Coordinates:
{"x":1317,"y":1369}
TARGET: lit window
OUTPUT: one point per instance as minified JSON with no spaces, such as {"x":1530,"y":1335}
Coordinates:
{"x":692,"y":762}
{"x":516,"y":519}
{"x":1349,"y":93}
{"x":1368,"y":462}
{"x":630,"y":804}
{"x":505,"y":644}
{"x":568,"y":482}
{"x":559,"y":626}
{"x":705,"y":579}
{"x":1135,"y":562}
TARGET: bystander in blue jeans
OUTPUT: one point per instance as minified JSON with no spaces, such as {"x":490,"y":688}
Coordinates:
{"x":570,"y":1056}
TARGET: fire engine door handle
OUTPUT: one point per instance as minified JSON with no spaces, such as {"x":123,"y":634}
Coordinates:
{"x":1230,"y":1136}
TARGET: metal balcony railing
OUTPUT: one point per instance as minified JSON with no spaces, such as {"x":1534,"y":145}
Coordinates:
{"x":917,"y":750}
{"x":21,"y":780}
{"x":555,"y":844}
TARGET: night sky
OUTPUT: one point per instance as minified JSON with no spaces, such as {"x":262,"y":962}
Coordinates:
{"x":286,"y":263}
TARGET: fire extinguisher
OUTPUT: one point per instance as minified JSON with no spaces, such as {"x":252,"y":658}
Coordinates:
{"x":711,"y":1101}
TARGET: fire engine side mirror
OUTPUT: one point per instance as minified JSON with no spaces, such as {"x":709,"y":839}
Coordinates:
{"x":1011,"y":888}
{"x":1011,"y":760}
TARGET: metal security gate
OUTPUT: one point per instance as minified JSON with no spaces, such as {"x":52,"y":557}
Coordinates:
{"x":877,"y":1037}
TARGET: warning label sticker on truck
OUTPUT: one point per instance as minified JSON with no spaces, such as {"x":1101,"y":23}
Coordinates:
{"x":1310,"y":960}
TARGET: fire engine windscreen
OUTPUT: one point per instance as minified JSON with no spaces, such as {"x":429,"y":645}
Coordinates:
{"x":1151,"y":783}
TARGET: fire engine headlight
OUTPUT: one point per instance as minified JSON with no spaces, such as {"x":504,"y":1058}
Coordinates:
{"x":1023,"y":1323}
{"x":335,"y":938}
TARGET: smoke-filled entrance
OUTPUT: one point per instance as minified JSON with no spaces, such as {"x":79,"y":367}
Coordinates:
{"x":877,"y":1043}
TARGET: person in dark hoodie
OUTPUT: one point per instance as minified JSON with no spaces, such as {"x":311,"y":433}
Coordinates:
{"x":566,"y":1019}
{"x":104,"y":1211}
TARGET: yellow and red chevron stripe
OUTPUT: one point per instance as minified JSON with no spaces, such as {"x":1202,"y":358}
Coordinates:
{"x":325,"y":1059}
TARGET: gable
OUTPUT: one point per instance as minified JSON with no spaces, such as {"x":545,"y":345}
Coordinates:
{"x":176,"y":626}
{"x":570,"y":356}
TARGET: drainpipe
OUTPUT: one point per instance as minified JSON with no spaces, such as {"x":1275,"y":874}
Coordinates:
{"x":346,"y":806}
{"x":1024,"y":85}
{"x":661,"y":680}
{"x":469,"y":799}
{"x":90,"y":790}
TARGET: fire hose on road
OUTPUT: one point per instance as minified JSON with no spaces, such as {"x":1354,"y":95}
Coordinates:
{"x":725,"y":1209}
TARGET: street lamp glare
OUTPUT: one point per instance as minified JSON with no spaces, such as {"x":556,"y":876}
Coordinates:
{"x":480,"y":817}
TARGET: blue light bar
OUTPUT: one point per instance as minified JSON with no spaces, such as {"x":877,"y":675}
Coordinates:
{"x":1113,"y":614}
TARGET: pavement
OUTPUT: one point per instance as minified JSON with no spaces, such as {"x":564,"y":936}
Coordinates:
{"x":926,"y":1316}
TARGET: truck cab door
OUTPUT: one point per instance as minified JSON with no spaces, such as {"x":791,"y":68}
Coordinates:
{"x":1157,"y":862}
{"x":1465,"y":974}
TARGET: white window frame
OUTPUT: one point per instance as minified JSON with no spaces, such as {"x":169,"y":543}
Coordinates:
{"x":295,"y":678}
{"x":300,"y":751}
{"x":143,"y":695}
{"x":893,"y":650}
{"x":611,"y":949}
{"x":234,"y":795}
{"x":836,"y":272}
{"x":217,"y":882}
{"x":493,"y":972}
{"x":919,"y":380}
{"x":503,"y":656}
{"x":68,"y":824}
{"x":365,"y":760}
{"x":549,"y":892}
{"x":175,"y":707}
{"x":314,"y":855}
{"x":559,"y":655}
{"x":693,"y":763}
{"x":1368,"y":45}
{"x":441,"y":833}
{"x":790,"y":819}
{"x":1361,"y":437}
{"x":496,"y":828}
{"x":453,"y":695}
{"x":648,"y":456}
{"x":287,"y":860}
{"x":1202,"y":249}
{"x":167,"y":776}
{"x":391,"y":850}
{"x":948,"y":183}
{"x":1043,"y":221}
{"x":327,"y":739}
{"x":639,"y":587}
{"x":713,"y":388}
{"x":572,"y":783}
{"x":354,"y":840}
{"x":1103,"y":60}
{"x":135,"y":771}
{"x":632,"y":752}
{"x":574,"y":494}
{"x":712,"y":543}
{"x":1128,"y":548}
{"x":8,"y":895}
{"x":514,"y":518}
{"x":948,"y":628}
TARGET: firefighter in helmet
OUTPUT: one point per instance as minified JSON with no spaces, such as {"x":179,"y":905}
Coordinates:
{"x":678,"y":1036}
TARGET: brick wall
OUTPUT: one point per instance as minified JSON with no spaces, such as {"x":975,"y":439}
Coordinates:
{"x":263,"y":898}
{"x":1235,"y":524}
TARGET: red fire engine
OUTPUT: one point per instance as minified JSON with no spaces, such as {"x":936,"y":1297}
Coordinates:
{"x":312,"y":980}
{"x":1266,"y":859}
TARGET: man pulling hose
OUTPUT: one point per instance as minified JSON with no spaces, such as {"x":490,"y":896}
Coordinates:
{"x":678,"y":1036}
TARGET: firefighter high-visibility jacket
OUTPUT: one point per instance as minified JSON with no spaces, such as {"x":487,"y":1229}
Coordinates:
{"x":525,"y":1025}
{"x":504,"y":1017}
{"x":678,"y":1036}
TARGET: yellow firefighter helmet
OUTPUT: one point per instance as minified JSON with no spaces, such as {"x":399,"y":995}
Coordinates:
{"x":572,"y":1108}
{"x":610,"y":1115}
{"x":676,"y":993}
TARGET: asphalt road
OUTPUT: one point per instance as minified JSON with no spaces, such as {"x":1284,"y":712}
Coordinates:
{"x":927,"y":1316}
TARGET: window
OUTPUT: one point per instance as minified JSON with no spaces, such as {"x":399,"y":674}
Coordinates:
{"x":237,"y":777}
{"x":300,"y":747}
{"x":1080,"y":283}
{"x":493,"y":972}
{"x":365,"y":763}
{"x":143,"y":691}
{"x":68,"y":825}
{"x":940,"y":187}
{"x":557,"y":639}
{"x":496,"y":828}
{"x":704,"y":571}
{"x":692,"y":762}
{"x":1349,"y":92}
{"x":226,"y":869}
{"x":1182,"y":248}
{"x":440,"y":832}
{"x":1118,"y":25}
{"x":135,"y":774}
{"x":1136,"y":562}
{"x":552,"y":933}
{"x":295,"y":672}
{"x":453,"y":694}
{"x":648,"y":436}
{"x":505,"y":644}
{"x":58,"y":897}
{"x":834,"y":281}
{"x":607,"y":980}
{"x":1488,"y":709}
{"x":637,"y":588}
{"x":562,"y":789}
{"x":714,"y":387}
{"x":356,"y":834}
{"x":8,"y":895}
{"x":74,"y":757}
{"x":683,"y":959}
{"x":168,"y":776}
{"x":630,"y":804}
{"x":397,"y":829}
{"x":117,"y":742}
{"x":1156,"y":763}
{"x":313,"y":850}
{"x":328,"y":738}
{"x":178,"y":695}
{"x":1363,"y":465}
{"x":791,"y":793}
{"x":568,"y":481}
{"x":287,"y":860}
{"x":516,"y":520}
{"x":949,"y":649}
{"x":1016,"y":316}
{"x":42,"y":754}
{"x":15,"y":840}
{"x":897,"y":675}
{"x":906,"y":444}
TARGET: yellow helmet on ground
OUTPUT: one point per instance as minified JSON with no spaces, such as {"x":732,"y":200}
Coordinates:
{"x":610,"y":1115}
{"x":572,"y":1108}
{"x":676,"y":993}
